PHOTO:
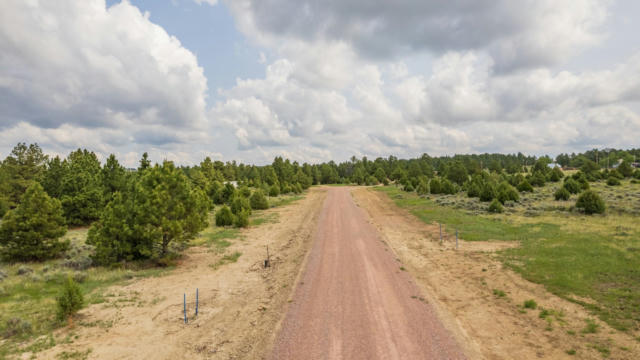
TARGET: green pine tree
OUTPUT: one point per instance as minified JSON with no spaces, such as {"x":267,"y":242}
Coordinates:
{"x":32,"y":231}
{"x":82,"y":194}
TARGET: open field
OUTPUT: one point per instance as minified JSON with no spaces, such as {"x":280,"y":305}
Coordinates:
{"x":116,"y":297}
{"x":585,"y":261}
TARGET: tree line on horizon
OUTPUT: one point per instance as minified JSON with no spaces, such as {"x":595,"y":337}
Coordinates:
{"x":141,"y":213}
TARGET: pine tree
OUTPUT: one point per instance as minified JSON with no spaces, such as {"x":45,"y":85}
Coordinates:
{"x":21,"y":168}
{"x":177,"y":212}
{"x":82,"y":194}
{"x":259,"y":201}
{"x":32,"y":231}
{"x":70,"y":300}
{"x":51,"y":180}
{"x":113,"y":177}
{"x":160,"y":208}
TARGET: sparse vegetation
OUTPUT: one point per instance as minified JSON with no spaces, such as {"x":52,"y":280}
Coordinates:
{"x":227,"y":259}
{"x":591,"y":327}
{"x":530,"y":304}
{"x":561,"y":248}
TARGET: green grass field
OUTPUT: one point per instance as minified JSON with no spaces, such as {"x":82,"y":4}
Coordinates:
{"x":596,"y":257}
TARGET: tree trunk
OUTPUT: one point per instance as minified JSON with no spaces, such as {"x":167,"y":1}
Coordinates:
{"x":165,"y":244}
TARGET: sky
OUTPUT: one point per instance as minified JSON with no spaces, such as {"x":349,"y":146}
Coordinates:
{"x":313,"y":81}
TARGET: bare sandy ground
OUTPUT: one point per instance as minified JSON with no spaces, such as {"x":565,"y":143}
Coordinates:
{"x":241,"y":303}
{"x":459,"y":284}
{"x":354,"y":301}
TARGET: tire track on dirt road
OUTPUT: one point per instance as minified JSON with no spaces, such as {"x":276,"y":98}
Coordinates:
{"x":354,"y":301}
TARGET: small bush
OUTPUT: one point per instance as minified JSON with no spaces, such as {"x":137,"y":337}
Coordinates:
{"x":537,"y":179}
{"x":242,"y":219}
{"x":495,"y":207}
{"x":79,"y":257}
{"x":16,"y":327}
{"x":3,"y":275}
{"x":507,"y":192}
{"x":613,"y":181}
{"x":524,"y":186}
{"x":473,"y":190}
{"x":562,"y":194}
{"x":244,"y":191}
{"x":616,"y":174}
{"x":70,"y":300}
{"x":571,"y":186}
{"x":423,"y":188}
{"x":434,"y":186}
{"x":239,"y":203}
{"x":530,"y":304}
{"x":224,"y":216}
{"x":79,"y":276}
{"x":24,"y":270}
{"x":274,"y":190}
{"x":591,"y":203}
{"x":488,"y":192}
{"x":499,"y":293}
{"x":448,"y":187}
{"x":556,"y":174}
{"x":408,"y":187}
{"x":258,"y":201}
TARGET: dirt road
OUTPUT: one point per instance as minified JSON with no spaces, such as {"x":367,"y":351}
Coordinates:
{"x":354,"y":301}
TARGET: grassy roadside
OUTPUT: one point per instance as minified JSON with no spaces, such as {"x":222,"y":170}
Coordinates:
{"x":573,"y":256}
{"x":28,"y":292}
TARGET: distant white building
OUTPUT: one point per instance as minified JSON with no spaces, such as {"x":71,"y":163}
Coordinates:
{"x":553,"y":165}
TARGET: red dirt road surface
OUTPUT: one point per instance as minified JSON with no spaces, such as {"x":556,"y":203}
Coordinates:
{"x":353,"y":300}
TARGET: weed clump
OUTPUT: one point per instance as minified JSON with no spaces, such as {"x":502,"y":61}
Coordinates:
{"x":530,"y":304}
{"x":591,"y":328}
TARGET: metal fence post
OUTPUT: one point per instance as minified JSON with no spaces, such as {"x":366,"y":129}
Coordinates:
{"x":196,"y":301}
{"x":184,"y":303}
{"x":440,"y":234}
{"x":456,"y":239}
